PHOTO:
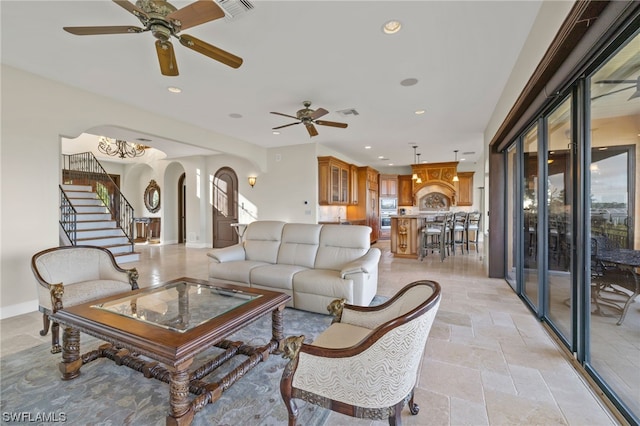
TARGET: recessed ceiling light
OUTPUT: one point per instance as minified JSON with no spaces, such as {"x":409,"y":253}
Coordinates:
{"x":275,"y":132}
{"x":391,"y":27}
{"x":409,"y":82}
{"x":235,"y":115}
{"x":380,"y":157}
{"x":420,"y":112}
{"x":173,"y":89}
{"x":391,"y":164}
{"x":367,"y":147}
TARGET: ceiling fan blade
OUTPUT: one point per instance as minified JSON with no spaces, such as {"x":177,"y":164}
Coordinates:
{"x":132,"y":8}
{"x":331,"y":123}
{"x":286,"y":125}
{"x":311,"y":129}
{"x":167,"y":58}
{"x":319,"y":113}
{"x":197,"y":13}
{"x":122,"y":29}
{"x":211,"y":51}
{"x":285,"y":115}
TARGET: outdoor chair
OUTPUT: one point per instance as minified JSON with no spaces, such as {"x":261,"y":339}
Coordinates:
{"x":71,"y":275}
{"x":381,"y":347}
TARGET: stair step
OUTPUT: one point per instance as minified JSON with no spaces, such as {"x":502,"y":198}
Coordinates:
{"x":103,"y":241}
{"x":95,"y":224}
{"x":71,"y":187}
{"x":126,"y":258}
{"x":90,"y":209}
{"x":92,"y":217}
{"x":81,"y":195}
{"x":99,"y":233}
{"x":119,"y":248}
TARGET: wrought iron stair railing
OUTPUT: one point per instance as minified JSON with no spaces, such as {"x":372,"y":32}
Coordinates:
{"x":68,"y":217}
{"x":85,"y":169}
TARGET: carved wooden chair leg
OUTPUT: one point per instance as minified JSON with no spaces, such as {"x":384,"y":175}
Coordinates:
{"x":45,"y":325}
{"x":413,"y":407}
{"x":55,"y":338}
{"x":396,"y":419}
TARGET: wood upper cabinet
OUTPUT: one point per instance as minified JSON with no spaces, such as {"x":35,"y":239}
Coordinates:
{"x":388,"y":186}
{"x":334,"y":178}
{"x":405,"y":190}
{"x":353,"y":194}
{"x":465,"y":189}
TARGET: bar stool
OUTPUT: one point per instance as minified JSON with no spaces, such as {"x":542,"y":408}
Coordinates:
{"x":458,"y":227}
{"x":434,"y":237}
{"x":473,"y":226}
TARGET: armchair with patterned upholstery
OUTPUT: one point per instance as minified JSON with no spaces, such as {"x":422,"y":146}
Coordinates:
{"x":71,"y":275}
{"x":366,"y":364}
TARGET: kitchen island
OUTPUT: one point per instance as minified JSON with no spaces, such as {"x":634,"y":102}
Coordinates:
{"x":405,"y":235}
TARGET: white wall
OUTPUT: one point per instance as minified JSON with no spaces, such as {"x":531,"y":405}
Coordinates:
{"x":36,"y":113}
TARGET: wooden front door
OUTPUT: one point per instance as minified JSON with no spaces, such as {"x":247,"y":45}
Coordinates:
{"x":225,"y":207}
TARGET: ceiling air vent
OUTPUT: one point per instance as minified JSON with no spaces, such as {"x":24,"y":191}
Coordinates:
{"x":348,"y":112}
{"x":469,"y":153}
{"x":234,"y":9}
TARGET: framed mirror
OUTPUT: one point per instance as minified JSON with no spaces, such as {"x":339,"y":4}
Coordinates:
{"x":152,"y":197}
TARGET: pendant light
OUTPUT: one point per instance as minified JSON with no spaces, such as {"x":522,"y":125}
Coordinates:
{"x":414,"y":176}
{"x":455,"y":176}
{"x":418,"y":179}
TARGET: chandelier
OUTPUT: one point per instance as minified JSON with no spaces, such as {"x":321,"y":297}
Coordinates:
{"x":122,"y":149}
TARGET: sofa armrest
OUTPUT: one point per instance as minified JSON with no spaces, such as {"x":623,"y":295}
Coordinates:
{"x":227,"y":254}
{"x":367,"y":263}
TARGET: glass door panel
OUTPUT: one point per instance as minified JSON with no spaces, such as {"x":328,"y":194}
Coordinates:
{"x":512,"y":217}
{"x":530,"y":223}
{"x":559,"y":214}
{"x":615,"y":241}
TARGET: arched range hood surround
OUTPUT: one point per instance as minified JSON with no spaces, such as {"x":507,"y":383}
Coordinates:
{"x":437,"y":190}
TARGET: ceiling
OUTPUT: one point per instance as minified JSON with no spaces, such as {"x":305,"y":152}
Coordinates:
{"x":333,"y":53}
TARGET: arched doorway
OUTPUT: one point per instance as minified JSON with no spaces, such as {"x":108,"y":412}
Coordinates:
{"x":225,"y":207}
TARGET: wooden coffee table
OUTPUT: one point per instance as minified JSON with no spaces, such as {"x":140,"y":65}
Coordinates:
{"x":171,"y":324}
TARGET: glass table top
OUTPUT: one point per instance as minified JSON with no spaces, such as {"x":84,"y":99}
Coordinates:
{"x":179,"y":306}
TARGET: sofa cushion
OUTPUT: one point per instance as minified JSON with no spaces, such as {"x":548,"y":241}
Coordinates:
{"x":314,"y":289}
{"x":279,"y":277}
{"x":262,"y":240}
{"x":299,"y":244}
{"x":340,"y":244}
{"x":238,"y":271}
{"x":341,"y":335}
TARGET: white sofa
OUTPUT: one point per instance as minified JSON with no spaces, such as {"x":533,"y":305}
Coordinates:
{"x":314,"y":264}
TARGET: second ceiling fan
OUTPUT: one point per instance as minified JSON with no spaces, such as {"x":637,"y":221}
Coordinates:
{"x":309,"y":117}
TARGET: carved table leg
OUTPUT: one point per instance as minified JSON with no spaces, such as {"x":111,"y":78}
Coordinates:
{"x":71,"y":361}
{"x":277,"y":328}
{"x":181,"y":412}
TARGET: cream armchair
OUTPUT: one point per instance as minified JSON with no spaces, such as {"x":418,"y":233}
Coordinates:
{"x":366,"y":364}
{"x":70,"y":275}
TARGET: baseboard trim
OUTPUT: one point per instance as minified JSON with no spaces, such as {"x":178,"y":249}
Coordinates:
{"x":18,"y":309}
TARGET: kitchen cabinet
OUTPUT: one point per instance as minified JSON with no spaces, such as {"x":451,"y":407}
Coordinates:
{"x":405,"y":190}
{"x":368,"y":206}
{"x":465,"y":189}
{"x":353,"y":184}
{"x":388,"y":186}
{"x":333,"y":181}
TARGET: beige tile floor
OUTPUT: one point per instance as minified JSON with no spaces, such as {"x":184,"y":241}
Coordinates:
{"x":488,"y":361}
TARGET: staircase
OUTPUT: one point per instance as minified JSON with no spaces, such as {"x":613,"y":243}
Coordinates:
{"x":94,"y":225}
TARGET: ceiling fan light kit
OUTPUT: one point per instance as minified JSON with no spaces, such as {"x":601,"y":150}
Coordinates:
{"x":164,"y":21}
{"x":309,"y":118}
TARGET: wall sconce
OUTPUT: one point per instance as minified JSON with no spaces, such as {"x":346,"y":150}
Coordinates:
{"x":252,"y":180}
